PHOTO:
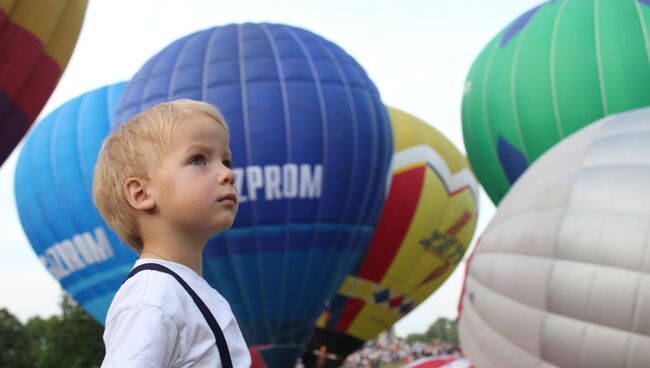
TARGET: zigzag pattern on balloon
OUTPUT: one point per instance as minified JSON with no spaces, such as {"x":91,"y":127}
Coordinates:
{"x":454,"y":183}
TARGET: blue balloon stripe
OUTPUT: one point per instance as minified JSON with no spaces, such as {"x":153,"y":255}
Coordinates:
{"x":98,"y":278}
{"x":314,"y":73}
{"x":281,"y":260}
{"x":235,"y":235}
{"x":98,"y":307}
{"x":302,"y":228}
{"x":296,"y":273}
{"x":70,"y":192}
{"x":42,"y":186}
{"x":338,"y":274}
{"x":231,"y":288}
{"x":265,"y":99}
{"x":254,"y":243}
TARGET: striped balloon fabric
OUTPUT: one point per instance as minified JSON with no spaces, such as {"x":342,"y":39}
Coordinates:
{"x":553,"y":70}
{"x":561,"y":275}
{"x":36,"y":41}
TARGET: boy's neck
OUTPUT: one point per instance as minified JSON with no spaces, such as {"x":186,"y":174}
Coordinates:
{"x":192,"y":262}
{"x":188,"y":254}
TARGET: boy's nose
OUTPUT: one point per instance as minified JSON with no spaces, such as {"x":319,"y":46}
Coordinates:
{"x":227,"y":176}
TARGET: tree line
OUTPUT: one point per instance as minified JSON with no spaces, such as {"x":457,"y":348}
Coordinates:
{"x":72,"y":339}
{"x":442,"y":330}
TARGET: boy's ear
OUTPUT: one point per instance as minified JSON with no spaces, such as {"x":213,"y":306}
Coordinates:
{"x":137,"y":194}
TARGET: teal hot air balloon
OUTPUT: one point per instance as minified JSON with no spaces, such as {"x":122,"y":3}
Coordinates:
{"x":553,"y":70}
{"x":53,"y":187}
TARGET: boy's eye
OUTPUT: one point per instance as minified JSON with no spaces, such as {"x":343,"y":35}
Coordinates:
{"x":198,"y":160}
{"x":227,"y":163}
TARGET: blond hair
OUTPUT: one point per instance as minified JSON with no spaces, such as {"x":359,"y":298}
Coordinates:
{"x":133,"y":150}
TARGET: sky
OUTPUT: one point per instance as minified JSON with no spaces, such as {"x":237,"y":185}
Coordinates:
{"x":417,"y":52}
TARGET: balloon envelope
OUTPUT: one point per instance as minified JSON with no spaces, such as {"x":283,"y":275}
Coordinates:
{"x":561,"y":276}
{"x":553,"y":70}
{"x":53,"y":186}
{"x":36,"y":41}
{"x":311,"y":145}
{"x":425,"y":227}
{"x":440,"y":362}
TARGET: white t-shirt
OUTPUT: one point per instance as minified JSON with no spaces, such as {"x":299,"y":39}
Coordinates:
{"x":153,"y":322}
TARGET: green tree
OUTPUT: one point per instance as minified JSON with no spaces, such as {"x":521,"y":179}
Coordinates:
{"x":416,"y":337}
{"x":71,"y":340}
{"x":78,"y":337}
{"x":41,"y":333}
{"x":14,"y":344}
{"x":443,"y":330}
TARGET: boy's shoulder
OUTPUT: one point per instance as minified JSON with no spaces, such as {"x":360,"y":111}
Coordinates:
{"x":161,"y":291}
{"x":142,"y":296}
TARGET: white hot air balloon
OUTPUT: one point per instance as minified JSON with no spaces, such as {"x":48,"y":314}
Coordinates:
{"x":561,"y":276}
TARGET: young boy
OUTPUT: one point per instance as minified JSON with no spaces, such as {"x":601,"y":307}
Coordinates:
{"x":163,"y":182}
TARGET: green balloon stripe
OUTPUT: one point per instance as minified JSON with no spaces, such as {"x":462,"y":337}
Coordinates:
{"x":490,"y":154}
{"x":473,"y":127}
{"x":576,"y":67}
{"x":534,"y":91}
{"x":552,"y":65}
{"x":486,"y":146}
{"x":626,"y":72}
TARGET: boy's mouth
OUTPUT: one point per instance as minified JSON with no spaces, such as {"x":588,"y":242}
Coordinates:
{"x":229,"y":197}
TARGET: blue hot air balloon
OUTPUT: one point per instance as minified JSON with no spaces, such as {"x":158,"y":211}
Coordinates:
{"x":311,"y":144}
{"x":53,"y":187}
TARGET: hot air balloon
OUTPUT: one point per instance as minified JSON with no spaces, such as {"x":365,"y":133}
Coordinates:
{"x":36,"y":41}
{"x":53,"y":187}
{"x":553,"y":70}
{"x":311,"y":145}
{"x":426,"y":225}
{"x":440,"y":362}
{"x":561,"y":276}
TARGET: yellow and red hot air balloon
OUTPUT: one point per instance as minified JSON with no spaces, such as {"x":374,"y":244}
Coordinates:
{"x":426,"y":225}
{"x":36,"y":41}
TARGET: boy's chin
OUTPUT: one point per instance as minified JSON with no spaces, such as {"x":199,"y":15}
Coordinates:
{"x":222,"y":226}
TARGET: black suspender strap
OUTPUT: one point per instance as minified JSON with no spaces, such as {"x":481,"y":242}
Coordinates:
{"x":224,"y":354}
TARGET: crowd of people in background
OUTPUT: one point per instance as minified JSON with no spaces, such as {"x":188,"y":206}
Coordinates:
{"x":380,"y":352}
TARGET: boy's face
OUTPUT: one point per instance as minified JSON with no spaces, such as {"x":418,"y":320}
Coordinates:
{"x":193,"y":186}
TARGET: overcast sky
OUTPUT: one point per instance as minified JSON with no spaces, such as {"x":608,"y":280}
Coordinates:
{"x":418,"y":53}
